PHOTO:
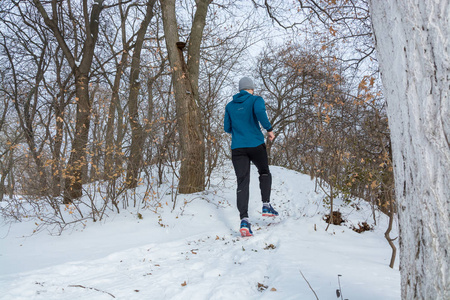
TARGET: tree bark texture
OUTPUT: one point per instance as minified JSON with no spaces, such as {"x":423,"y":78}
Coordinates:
{"x":185,"y":82}
{"x":413,"y":43}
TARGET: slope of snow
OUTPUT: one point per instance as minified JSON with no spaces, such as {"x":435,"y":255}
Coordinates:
{"x":195,"y":251}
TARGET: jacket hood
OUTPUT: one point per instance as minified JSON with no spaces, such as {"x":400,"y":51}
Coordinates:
{"x":241,"y":96}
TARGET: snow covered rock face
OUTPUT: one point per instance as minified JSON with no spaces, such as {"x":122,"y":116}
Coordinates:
{"x":412,"y":41}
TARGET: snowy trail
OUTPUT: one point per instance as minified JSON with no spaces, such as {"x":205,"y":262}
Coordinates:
{"x":200,"y":255}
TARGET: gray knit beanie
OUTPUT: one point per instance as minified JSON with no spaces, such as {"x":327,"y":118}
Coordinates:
{"x":246,"y":84}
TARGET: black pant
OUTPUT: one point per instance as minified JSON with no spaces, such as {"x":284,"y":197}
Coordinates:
{"x":241,"y":158}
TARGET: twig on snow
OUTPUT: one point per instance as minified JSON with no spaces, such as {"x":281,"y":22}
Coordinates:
{"x":91,"y":288}
{"x":309,"y":285}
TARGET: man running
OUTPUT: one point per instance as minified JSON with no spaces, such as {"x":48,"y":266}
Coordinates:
{"x":242,"y":118}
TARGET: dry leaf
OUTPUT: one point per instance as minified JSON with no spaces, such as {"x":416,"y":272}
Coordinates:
{"x":262,"y":287}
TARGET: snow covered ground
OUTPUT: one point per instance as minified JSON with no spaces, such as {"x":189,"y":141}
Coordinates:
{"x":195,"y":251}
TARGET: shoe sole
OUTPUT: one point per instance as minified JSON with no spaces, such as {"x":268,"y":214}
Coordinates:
{"x":269,"y":215}
{"x":245,"y":232}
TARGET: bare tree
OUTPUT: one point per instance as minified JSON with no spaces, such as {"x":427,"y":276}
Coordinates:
{"x":138,"y":132}
{"x":9,"y":139}
{"x":24,"y":84}
{"x":61,"y":97}
{"x":185,"y":82}
{"x":113,"y":142}
{"x":80,"y":63}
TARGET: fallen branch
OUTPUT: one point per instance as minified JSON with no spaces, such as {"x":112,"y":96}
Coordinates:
{"x":91,"y":288}
{"x":309,"y":285}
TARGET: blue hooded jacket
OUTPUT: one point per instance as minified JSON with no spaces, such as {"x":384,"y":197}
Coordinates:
{"x":242,"y":118}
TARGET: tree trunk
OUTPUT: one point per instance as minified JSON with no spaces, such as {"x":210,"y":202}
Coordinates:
{"x":2,"y":186}
{"x":59,"y":106}
{"x":56,"y":165}
{"x":110,"y":170}
{"x":5,"y":173}
{"x":137,"y":130}
{"x":185,"y":83}
{"x":412,"y":41}
{"x":74,"y":171}
{"x":11,"y":185}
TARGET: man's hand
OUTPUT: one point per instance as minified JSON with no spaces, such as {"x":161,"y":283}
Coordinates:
{"x":270,"y":135}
